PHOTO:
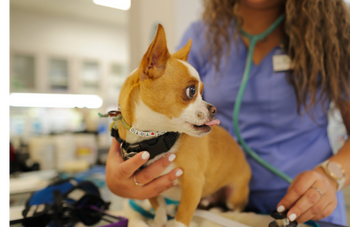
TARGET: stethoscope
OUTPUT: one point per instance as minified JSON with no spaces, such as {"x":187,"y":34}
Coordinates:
{"x":253,"y":39}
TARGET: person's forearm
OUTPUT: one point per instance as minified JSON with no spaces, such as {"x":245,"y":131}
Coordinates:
{"x":343,"y":158}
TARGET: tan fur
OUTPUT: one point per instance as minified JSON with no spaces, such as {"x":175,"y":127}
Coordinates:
{"x":161,"y":97}
{"x":154,"y":203}
{"x":127,"y":98}
{"x":182,"y":54}
{"x":210,"y":162}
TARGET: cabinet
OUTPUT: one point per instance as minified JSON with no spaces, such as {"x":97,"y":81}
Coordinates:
{"x":90,"y":76}
{"x":22,"y":72}
{"x":53,"y":73}
{"x":58,"y":74}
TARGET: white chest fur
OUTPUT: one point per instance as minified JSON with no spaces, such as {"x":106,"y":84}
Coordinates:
{"x":174,"y":192}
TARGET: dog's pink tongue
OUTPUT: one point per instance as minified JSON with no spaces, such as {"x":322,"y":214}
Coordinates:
{"x":213,"y":122}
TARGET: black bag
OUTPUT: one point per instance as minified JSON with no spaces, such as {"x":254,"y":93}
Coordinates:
{"x":64,"y":203}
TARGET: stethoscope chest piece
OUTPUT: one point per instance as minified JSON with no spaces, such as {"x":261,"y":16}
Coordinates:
{"x":281,"y":220}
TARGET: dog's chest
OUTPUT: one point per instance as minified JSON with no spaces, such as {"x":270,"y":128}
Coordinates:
{"x":168,"y":169}
{"x":174,"y":192}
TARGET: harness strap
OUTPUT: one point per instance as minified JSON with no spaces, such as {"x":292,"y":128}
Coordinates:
{"x":154,"y":146}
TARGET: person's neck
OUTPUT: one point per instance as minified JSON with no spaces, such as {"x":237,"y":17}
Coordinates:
{"x":256,"y":21}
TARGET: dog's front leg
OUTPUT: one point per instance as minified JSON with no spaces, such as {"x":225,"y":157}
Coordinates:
{"x":190,"y":198}
{"x":159,"y":205}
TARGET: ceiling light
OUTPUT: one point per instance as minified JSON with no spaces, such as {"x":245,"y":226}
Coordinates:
{"x":55,"y":100}
{"x":117,"y":4}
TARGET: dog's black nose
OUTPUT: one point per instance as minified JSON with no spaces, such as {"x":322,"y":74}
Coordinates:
{"x":212,"y":110}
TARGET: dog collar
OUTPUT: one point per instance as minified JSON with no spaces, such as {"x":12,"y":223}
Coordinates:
{"x":118,"y":119}
{"x":154,"y":146}
{"x":161,"y":143}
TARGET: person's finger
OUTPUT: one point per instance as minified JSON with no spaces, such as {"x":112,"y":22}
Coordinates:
{"x":328,"y":210}
{"x":307,"y":200}
{"x":162,"y":183}
{"x":155,"y":169}
{"x":297,"y":190}
{"x":316,"y":209}
{"x":114,"y":152}
{"x":128,"y":168}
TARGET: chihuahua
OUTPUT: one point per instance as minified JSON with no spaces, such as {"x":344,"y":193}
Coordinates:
{"x":162,"y":99}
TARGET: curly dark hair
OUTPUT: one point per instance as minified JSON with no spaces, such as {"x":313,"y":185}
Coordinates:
{"x":316,"y":37}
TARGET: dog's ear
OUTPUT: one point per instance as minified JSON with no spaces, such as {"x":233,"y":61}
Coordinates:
{"x":154,"y":61}
{"x":182,"y":54}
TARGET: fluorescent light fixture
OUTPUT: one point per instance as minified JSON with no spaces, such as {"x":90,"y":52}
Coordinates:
{"x":55,"y":100}
{"x":118,"y":4}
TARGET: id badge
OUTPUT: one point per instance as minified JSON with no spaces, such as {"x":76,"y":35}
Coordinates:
{"x":281,"y":62}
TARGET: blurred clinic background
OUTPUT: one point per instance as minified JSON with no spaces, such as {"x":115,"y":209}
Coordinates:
{"x":68,"y":60}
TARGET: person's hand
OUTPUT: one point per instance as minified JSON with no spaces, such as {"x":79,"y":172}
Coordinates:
{"x":121,"y":177}
{"x":311,"y":196}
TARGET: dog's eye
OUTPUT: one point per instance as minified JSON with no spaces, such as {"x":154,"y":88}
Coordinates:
{"x":191,"y":91}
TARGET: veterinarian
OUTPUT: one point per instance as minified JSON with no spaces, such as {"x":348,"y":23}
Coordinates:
{"x":283,"y":111}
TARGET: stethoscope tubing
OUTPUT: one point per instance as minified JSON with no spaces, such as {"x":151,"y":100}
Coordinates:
{"x":253,"y":39}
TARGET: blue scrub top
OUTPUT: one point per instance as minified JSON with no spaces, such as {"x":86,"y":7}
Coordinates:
{"x":268,"y":120}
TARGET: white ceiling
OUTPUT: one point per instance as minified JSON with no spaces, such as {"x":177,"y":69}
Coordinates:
{"x":83,"y":9}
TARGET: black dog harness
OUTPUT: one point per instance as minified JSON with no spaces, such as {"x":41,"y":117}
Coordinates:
{"x":154,"y":146}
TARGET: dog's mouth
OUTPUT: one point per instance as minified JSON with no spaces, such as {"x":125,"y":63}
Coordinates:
{"x":207,"y":126}
{"x":213,"y":122}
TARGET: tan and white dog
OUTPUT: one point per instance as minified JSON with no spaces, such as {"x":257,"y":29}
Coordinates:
{"x":165,"y":94}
